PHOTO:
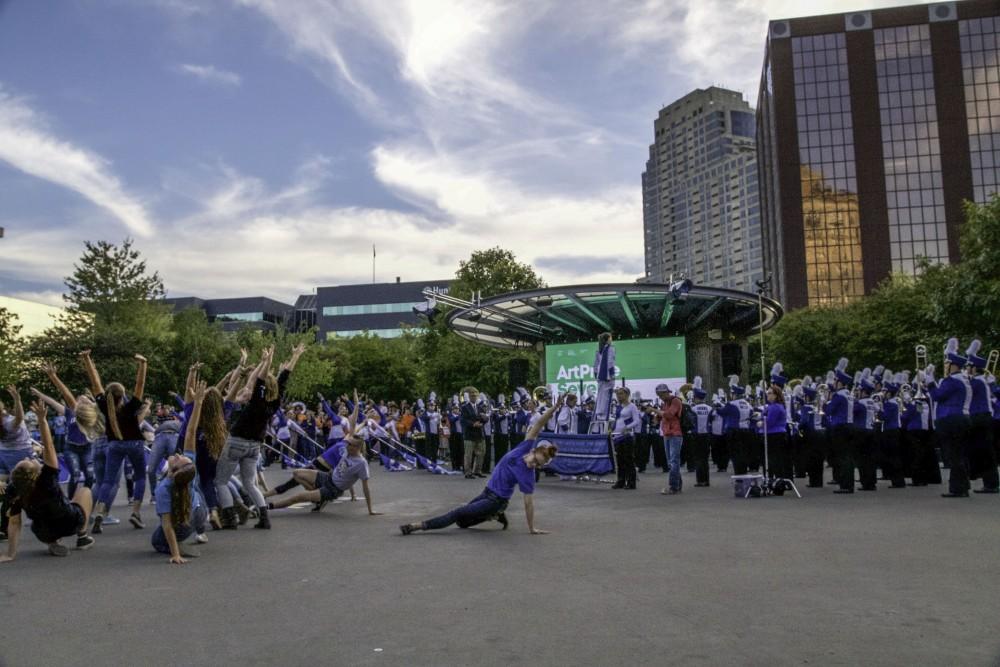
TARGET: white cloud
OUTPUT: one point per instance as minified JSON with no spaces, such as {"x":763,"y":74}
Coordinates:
{"x":211,"y":74}
{"x":28,"y":145}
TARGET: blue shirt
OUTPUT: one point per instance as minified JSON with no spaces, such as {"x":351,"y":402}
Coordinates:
{"x":839,"y":409}
{"x":776,"y":420}
{"x":512,"y":471}
{"x":163,"y":490}
{"x":890,"y":415}
{"x":74,"y":435}
{"x":952,"y":396}
{"x":980,"y":404}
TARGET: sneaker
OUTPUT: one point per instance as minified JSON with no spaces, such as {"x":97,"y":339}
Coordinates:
{"x":96,"y":528}
{"x":136,"y":521}
{"x":406,"y":529}
{"x":111,"y":520}
{"x":201,"y":538}
{"x":84,"y":542}
{"x":318,"y":507}
{"x":57,"y":549}
{"x":502,"y":518}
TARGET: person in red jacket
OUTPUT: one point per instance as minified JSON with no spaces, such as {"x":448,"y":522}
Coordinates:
{"x":673,"y":439}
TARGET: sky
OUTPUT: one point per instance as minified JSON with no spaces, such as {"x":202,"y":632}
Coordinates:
{"x":262,"y":147}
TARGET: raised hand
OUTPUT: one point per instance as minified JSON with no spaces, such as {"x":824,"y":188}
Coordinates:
{"x":141,"y":359}
{"x":199,"y":391}
{"x":12,"y":390}
{"x":48,"y":368}
{"x":40,"y":409}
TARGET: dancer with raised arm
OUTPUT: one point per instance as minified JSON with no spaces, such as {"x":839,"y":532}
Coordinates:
{"x":35,"y":491}
{"x":516,"y":468}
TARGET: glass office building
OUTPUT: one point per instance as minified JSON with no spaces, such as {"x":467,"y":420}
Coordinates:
{"x":701,"y":217}
{"x":872,"y":128}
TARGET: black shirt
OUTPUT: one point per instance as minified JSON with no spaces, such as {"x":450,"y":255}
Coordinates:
{"x":470,"y":415}
{"x":52,"y":516}
{"x":251,"y":423}
{"x":128,"y":418}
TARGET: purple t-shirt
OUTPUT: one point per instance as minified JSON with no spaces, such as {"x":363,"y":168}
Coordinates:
{"x":511,"y":471}
{"x":334,"y":453}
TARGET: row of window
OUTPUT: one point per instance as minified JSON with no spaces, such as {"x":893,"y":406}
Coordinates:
{"x":380,"y":333}
{"x":370,"y":309}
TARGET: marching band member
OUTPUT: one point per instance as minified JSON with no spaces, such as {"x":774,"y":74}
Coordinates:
{"x":720,"y":452}
{"x":813,"y":432}
{"x":701,"y":438}
{"x":923,"y":463}
{"x":890,"y":442}
{"x":840,"y":413}
{"x":501,"y":434}
{"x":951,"y":422}
{"x":864,"y":431}
{"x":736,"y":415}
{"x":627,"y":422}
{"x":566,"y":418}
{"x":982,"y":457}
{"x":604,"y":371}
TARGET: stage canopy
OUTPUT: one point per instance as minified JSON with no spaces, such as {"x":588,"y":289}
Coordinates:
{"x":574,"y":313}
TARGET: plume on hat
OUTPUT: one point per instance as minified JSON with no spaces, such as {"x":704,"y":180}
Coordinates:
{"x":974,"y":346}
{"x":777,"y":368}
{"x":734,"y":380}
{"x":696,"y":383}
{"x":952,"y":346}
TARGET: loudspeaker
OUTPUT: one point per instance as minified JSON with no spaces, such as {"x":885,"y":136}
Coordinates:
{"x":518,"y":373}
{"x":732,"y":359}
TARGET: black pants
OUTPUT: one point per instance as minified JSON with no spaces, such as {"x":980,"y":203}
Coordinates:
{"x":842,"y":443}
{"x":720,"y":453}
{"x":740,"y":448}
{"x":800,"y":455}
{"x":982,"y":457}
{"x":814,"y":448}
{"x":890,"y":453}
{"x":625,"y":452}
{"x":647,"y":443}
{"x":456,"y":448}
{"x":953,"y":433}
{"x":501,"y":445}
{"x":920,"y":458}
{"x":864,"y":452}
{"x":779,"y":455}
{"x":699,"y":455}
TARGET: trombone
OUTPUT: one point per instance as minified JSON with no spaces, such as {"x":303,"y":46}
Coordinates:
{"x":921,"y":353}
{"x":991,"y":362}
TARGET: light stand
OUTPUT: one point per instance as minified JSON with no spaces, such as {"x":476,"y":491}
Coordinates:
{"x":770,"y":482}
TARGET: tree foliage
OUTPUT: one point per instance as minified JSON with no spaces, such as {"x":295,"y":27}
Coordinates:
{"x":10,"y":347}
{"x":961,"y":299}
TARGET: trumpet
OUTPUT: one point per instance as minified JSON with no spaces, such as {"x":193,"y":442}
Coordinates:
{"x":541,"y":395}
{"x":921,"y":353}
{"x":991,"y":362}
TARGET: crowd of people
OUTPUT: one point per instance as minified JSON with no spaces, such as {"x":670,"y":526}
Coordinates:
{"x":202,"y":456}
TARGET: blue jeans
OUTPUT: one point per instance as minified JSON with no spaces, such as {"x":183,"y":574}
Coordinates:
{"x":672,"y":444}
{"x":79,"y":459}
{"x":118,"y":451}
{"x":196,"y":525}
{"x":484,"y":506}
{"x":164,"y":444}
{"x":11,"y":457}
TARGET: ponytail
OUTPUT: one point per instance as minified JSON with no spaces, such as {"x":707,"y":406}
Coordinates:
{"x":180,"y":495}
{"x":112,"y":393}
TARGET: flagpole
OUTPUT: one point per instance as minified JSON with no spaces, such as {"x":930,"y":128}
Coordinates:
{"x":373,"y":264}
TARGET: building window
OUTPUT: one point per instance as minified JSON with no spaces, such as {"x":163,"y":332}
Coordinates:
{"x":910,"y":147}
{"x":380,"y":333}
{"x":980,"y":44}
{"x":239,"y":317}
{"x":369,"y":309}
{"x":831,"y":221}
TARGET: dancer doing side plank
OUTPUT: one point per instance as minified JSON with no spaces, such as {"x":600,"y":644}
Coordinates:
{"x":516,"y":468}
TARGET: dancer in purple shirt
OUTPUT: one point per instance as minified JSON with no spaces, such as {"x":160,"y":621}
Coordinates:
{"x":516,"y":468}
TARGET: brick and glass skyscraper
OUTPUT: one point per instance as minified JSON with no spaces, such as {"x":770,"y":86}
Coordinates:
{"x":699,"y":192}
{"x":872,"y":128}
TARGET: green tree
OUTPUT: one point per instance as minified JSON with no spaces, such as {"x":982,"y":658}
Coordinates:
{"x":10,"y":348}
{"x":491,"y":272}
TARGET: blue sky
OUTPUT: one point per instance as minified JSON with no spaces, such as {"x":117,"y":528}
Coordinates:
{"x":262,"y":146}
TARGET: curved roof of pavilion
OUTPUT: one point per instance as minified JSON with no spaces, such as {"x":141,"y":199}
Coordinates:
{"x":573,"y":313}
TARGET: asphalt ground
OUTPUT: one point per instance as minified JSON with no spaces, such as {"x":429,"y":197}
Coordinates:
{"x":626,"y":577}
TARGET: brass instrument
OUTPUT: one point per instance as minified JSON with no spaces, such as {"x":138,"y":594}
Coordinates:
{"x":991,"y":362}
{"x":541,"y":395}
{"x":822,"y":396}
{"x":683,"y":391}
{"x":921,"y":354}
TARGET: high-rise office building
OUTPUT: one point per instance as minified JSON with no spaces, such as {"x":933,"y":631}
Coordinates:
{"x":872,"y":128}
{"x":701,"y":216}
